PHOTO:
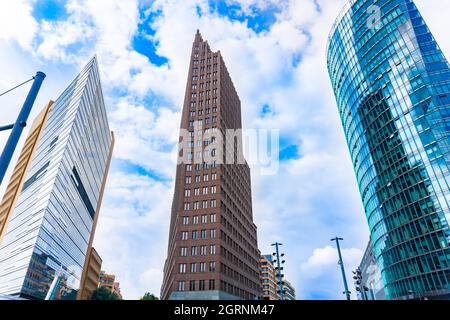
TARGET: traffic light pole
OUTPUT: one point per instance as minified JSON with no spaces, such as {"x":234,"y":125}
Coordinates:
{"x":341,"y":263}
{"x":20,"y":123}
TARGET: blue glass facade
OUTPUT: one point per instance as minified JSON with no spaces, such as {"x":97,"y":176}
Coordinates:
{"x":392,"y":87}
{"x":43,"y":251}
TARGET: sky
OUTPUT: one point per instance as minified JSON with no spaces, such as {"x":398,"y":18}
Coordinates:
{"x":275,"y":51}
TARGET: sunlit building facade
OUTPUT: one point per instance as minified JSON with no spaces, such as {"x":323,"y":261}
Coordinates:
{"x":269,"y":286}
{"x":392,"y":87}
{"x":48,"y":232}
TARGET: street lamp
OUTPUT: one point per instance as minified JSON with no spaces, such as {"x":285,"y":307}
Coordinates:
{"x":341,"y":263}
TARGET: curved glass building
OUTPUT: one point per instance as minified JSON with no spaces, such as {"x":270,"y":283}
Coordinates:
{"x":392,"y":87}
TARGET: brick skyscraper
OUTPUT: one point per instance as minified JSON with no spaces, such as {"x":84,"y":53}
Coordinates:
{"x":212,"y":251}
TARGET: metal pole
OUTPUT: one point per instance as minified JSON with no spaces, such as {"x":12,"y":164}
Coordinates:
{"x":21,"y":122}
{"x":280,"y":278}
{"x":341,"y":262}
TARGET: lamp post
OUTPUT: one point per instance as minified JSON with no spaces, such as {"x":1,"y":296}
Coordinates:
{"x":20,"y":123}
{"x":341,"y":263}
{"x":279,"y":268}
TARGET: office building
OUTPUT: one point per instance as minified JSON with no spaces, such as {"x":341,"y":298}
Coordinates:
{"x":392,"y":87}
{"x":51,"y":205}
{"x":212,"y":250}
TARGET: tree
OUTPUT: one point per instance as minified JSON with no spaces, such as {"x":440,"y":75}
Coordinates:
{"x":149,"y":296}
{"x":103,"y":293}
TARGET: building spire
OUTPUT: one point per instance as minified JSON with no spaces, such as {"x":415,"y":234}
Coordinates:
{"x":198,"y":36}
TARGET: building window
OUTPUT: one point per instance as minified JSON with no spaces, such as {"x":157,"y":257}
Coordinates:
{"x":205,"y":177}
{"x":203,"y":250}
{"x":213,"y":233}
{"x":201,"y":285}
{"x":203,"y":234}
{"x":205,"y":190}
{"x":193,"y":267}
{"x":213,"y":203}
{"x":189,"y":167}
{"x":192,"y":285}
{"x":205,"y":219}
{"x":187,"y":192}
{"x":197,"y":191}
{"x":195,"y":220}
{"x":212,"y":266}
{"x":187,"y":206}
{"x":212,"y":218}
{"x":182,"y":268}
{"x":188,"y":180}
{"x":212,"y":249}
{"x":205,"y":204}
{"x":193,"y":251}
{"x":181,"y":285}
{"x":203,"y":267}
{"x":185,"y":220}
{"x":198,"y":178}
{"x":184,"y":235}
{"x":212,"y":284}
{"x":213,"y":189}
{"x":213,"y":176}
{"x":184,"y":252}
{"x":194,"y":235}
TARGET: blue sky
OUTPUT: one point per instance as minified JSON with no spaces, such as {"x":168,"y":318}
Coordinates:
{"x":275,"y":53}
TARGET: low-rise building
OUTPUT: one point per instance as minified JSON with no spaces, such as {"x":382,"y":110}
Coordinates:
{"x":371,"y":276}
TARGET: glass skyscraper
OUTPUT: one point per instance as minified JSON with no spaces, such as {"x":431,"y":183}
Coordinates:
{"x":392,"y":87}
{"x":48,"y":231}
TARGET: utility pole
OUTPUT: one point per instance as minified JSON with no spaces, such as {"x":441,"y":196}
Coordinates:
{"x":279,"y":268}
{"x":20,"y":123}
{"x":341,"y":263}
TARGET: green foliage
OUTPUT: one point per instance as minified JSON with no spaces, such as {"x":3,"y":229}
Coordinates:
{"x":103,"y":293}
{"x":149,"y":296}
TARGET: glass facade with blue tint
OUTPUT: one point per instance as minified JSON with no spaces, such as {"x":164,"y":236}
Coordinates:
{"x":392,"y":87}
{"x":44,"y":247}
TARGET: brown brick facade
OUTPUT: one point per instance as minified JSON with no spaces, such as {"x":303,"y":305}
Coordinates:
{"x":212,"y":238}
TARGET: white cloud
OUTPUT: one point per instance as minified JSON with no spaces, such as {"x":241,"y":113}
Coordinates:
{"x":17,"y":23}
{"x":321,"y":273}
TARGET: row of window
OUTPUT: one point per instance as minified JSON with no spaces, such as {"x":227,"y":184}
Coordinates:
{"x":200,"y":112}
{"x":198,"y":250}
{"x":197,"y":205}
{"x":199,"y":123}
{"x":198,"y":178}
{"x":195,"y":219}
{"x":202,"y":155}
{"x":203,"y":234}
{"x":201,"y":267}
{"x":201,"y":191}
{"x":200,"y":143}
{"x":193,"y":287}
